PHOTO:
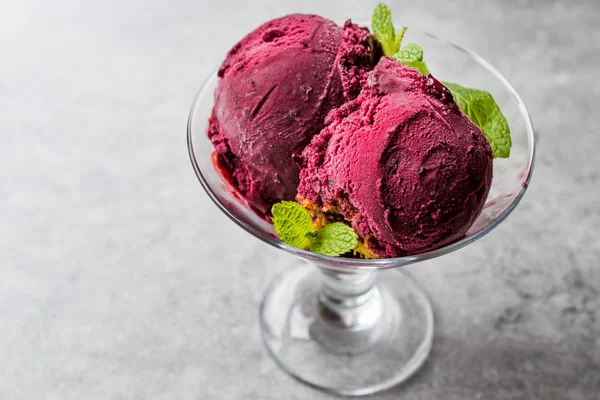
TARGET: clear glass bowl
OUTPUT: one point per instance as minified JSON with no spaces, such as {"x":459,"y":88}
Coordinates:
{"x":352,"y":326}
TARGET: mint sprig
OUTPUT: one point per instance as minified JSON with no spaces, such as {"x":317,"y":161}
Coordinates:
{"x":478,"y":105}
{"x":294,"y":226}
{"x":410,"y":55}
{"x":384,"y":31}
{"x":482,"y":110}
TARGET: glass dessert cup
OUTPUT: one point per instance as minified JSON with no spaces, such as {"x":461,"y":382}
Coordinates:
{"x":355,"y":326}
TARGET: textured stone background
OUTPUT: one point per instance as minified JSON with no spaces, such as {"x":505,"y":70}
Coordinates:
{"x":120,"y":280}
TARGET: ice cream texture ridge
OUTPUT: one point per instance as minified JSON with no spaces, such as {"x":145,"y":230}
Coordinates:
{"x":309,"y":111}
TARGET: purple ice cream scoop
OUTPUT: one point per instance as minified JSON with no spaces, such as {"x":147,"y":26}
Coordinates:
{"x":276,"y":87}
{"x":401,"y":163}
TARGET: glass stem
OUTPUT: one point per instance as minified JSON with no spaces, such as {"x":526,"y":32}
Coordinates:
{"x":349,"y":300}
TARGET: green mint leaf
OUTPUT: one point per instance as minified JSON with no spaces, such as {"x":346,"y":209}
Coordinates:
{"x":334,"y":240}
{"x":410,"y":52}
{"x":383,"y":28}
{"x":292,"y":222}
{"x":418,"y":65}
{"x":382,"y":21}
{"x":411,"y":55}
{"x":483,"y":111}
{"x":398,"y":39}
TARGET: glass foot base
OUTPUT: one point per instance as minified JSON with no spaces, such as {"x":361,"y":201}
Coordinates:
{"x":351,"y":361}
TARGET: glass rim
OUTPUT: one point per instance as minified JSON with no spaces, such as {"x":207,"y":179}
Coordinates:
{"x":379,"y":263}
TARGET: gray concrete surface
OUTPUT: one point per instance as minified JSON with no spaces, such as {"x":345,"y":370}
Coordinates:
{"x":120,"y":280}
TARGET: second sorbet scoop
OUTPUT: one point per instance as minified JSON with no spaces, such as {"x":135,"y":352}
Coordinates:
{"x":401,"y":163}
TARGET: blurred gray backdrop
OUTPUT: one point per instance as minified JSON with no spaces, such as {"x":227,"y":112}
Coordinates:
{"x":120,"y":280}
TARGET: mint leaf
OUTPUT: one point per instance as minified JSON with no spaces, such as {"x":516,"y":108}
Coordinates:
{"x":383,"y":28}
{"x":398,"y":39}
{"x":333,"y":240}
{"x":483,"y":111}
{"x":384,"y":31}
{"x":411,"y":55}
{"x":292,"y":222}
{"x":410,"y":52}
